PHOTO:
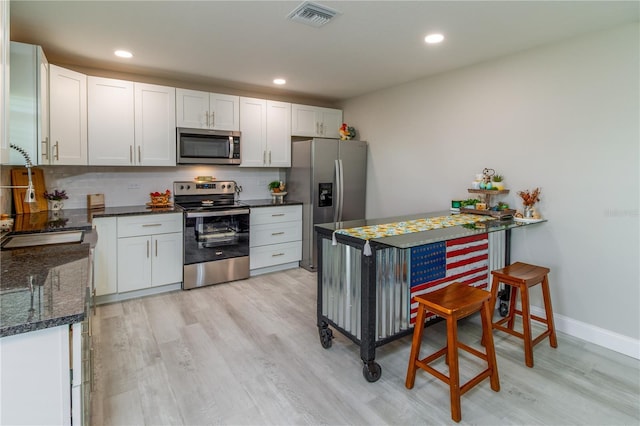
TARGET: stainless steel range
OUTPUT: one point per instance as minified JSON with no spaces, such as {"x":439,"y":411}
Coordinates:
{"x":216,"y":233}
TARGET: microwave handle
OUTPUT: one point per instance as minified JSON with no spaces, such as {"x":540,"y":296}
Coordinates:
{"x":230,"y":146}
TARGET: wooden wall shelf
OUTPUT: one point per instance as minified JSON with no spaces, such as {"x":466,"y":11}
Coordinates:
{"x":488,"y":191}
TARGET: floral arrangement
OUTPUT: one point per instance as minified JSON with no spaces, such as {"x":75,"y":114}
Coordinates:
{"x":529,"y":198}
{"x":56,"y":195}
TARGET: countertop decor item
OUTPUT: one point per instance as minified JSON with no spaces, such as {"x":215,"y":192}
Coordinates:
{"x":529,"y":199}
{"x":54,"y":199}
{"x":160,"y":199}
{"x":95,"y":201}
{"x":277,"y":186}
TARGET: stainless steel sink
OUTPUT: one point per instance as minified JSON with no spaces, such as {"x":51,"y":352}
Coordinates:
{"x":42,"y":239}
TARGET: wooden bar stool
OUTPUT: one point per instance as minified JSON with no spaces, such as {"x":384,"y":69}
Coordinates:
{"x":454,"y":302}
{"x":521,"y":276}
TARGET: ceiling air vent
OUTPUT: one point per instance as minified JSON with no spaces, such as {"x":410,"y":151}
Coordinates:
{"x":312,"y":14}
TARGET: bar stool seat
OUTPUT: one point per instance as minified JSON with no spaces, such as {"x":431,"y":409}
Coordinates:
{"x":520,"y":276}
{"x":452,"y":303}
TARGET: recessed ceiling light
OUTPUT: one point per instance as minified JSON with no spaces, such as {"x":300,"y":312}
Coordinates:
{"x":434,"y":38}
{"x":123,"y":54}
{"x":279,"y":81}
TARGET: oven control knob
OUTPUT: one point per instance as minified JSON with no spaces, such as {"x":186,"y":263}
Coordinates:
{"x":181,"y":186}
{"x":188,"y":187}
{"x":223,"y":186}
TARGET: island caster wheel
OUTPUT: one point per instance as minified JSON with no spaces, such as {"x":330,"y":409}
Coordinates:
{"x":372,"y":371}
{"x":326,"y":337}
{"x":504,"y":309}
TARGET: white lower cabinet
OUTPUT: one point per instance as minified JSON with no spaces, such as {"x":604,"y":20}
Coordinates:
{"x":149,"y":251}
{"x":36,"y":372}
{"x":137,"y":253}
{"x":275,"y":238}
{"x":106,"y":255}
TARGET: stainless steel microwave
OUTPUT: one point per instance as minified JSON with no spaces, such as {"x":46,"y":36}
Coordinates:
{"x":204,"y":146}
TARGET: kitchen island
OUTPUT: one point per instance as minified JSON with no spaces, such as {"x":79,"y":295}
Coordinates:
{"x":370,"y":270}
{"x":44,"y":330}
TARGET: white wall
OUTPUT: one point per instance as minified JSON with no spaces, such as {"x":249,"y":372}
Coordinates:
{"x":130,"y":186}
{"x":564,"y":117}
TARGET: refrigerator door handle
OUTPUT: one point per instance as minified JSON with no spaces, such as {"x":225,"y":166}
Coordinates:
{"x":336,"y":194}
{"x":339,"y":189}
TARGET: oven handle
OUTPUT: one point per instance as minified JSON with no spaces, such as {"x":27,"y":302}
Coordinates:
{"x":217,"y":213}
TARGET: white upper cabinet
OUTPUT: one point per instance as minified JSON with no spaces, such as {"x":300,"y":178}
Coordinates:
{"x":131,"y":124}
{"x":279,"y":133}
{"x":314,"y":121}
{"x":266,"y":135}
{"x":110,"y":122}
{"x":155,"y":124}
{"x":4,"y":82}
{"x":253,"y":129}
{"x":203,"y":110}
{"x":29,"y":103}
{"x":67,"y":116}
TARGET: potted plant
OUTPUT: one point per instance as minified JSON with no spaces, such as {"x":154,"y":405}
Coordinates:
{"x":276,"y":186}
{"x":498,"y":182}
{"x":55,"y":199}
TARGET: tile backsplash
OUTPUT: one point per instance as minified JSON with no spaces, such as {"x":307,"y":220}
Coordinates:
{"x":126,"y":186}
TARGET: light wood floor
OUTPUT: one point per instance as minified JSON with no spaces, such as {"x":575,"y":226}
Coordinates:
{"x":248,"y":353}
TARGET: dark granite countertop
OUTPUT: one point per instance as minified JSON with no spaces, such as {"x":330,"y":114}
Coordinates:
{"x":43,"y":287}
{"x":134,"y":211}
{"x":268,"y":202}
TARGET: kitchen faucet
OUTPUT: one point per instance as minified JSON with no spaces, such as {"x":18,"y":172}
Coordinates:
{"x":30,"y":195}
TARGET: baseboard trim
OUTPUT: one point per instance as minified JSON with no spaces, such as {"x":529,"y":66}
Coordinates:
{"x":587,"y":332}
{"x":593,"y":334}
{"x":119,"y":297}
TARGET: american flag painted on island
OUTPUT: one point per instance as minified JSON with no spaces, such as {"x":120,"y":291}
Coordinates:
{"x":433,"y":266}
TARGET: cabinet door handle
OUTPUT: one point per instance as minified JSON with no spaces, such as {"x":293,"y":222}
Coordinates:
{"x":277,"y":233}
{"x":264,"y":157}
{"x":147,"y":248}
{"x":277,"y":214}
{"x":151,"y":224}
{"x":57,"y":152}
{"x":213,"y":119}
{"x":45,"y":150}
{"x":277,"y":254}
{"x":91,"y":369}
{"x":139,"y":155}
{"x":130,"y":154}
{"x":156,"y":248}
{"x":206,"y":114}
{"x":269,"y":157}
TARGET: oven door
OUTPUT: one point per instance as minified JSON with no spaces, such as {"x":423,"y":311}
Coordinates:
{"x":216,"y":247}
{"x":201,"y":146}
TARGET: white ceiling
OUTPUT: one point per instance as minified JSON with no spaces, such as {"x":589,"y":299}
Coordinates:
{"x":245,"y":44}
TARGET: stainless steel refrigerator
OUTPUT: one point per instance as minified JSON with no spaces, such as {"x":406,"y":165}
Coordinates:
{"x":329,"y":176}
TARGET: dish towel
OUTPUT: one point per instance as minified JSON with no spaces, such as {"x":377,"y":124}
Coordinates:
{"x":406,"y":227}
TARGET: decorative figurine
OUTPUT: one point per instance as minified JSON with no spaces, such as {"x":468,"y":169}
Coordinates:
{"x":347,"y":132}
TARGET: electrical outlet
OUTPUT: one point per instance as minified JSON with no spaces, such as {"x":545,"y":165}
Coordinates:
{"x":133,"y":186}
